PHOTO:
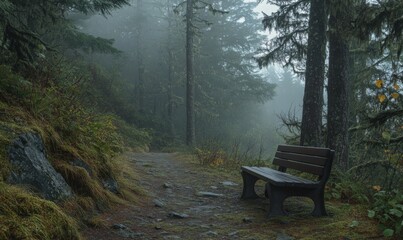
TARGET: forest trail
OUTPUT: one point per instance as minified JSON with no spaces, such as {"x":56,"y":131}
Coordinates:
{"x":176,"y":185}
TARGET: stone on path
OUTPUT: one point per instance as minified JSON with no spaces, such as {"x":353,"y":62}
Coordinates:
{"x":283,"y":236}
{"x":172,"y":237}
{"x":158,"y":203}
{"x":125,"y":232}
{"x":247,"y":219}
{"x":209,"y":194}
{"x":229,"y":183}
{"x":210,"y":234}
{"x":167,"y":185}
{"x":177,"y":215}
{"x":119,"y":226}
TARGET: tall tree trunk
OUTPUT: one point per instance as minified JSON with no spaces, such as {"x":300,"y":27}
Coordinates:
{"x":358,"y":74}
{"x":140,"y":64}
{"x":171,"y":126}
{"x":314,"y":76}
{"x":337,"y":116}
{"x":190,"y":113}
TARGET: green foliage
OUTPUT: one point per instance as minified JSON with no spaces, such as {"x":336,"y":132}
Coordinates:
{"x":89,"y":44}
{"x":289,"y":47}
{"x":383,"y":20}
{"x":12,"y":85}
{"x":29,"y":33}
{"x":343,"y":187}
{"x":214,"y":152}
{"x":211,"y":157}
{"x":387,"y":208}
{"x":132,"y":136}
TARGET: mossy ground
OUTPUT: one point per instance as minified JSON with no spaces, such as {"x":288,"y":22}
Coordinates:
{"x":226,"y":217}
{"x":24,"y":215}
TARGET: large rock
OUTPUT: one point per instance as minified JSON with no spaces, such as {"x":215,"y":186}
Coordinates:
{"x":31,"y":167}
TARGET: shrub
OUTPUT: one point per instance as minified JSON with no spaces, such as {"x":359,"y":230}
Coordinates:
{"x":343,"y":187}
{"x":387,"y":208}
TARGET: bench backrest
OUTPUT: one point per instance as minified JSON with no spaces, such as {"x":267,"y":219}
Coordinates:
{"x":314,"y":160}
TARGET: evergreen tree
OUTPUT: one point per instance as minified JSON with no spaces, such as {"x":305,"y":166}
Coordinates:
{"x":301,"y":45}
{"x":338,"y":82}
{"x":30,"y":33}
{"x":190,"y":112}
{"x":141,"y":20}
{"x":227,"y":81}
{"x":311,"y":126}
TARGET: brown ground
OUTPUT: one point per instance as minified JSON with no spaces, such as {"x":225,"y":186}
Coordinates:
{"x":223,"y":217}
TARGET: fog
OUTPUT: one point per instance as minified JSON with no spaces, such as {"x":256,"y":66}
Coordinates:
{"x":234,"y":98}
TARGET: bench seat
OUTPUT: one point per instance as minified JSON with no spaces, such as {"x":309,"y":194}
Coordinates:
{"x":280,"y":184}
{"x":278,"y":178}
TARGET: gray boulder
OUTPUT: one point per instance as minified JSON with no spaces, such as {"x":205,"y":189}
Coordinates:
{"x":31,"y":167}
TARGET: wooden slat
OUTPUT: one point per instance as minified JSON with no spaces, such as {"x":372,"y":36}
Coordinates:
{"x":278,"y":178}
{"x":304,"y":167}
{"x":315,"y":151}
{"x":314,"y":160}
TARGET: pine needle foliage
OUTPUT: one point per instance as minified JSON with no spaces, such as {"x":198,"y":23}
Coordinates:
{"x":29,"y":29}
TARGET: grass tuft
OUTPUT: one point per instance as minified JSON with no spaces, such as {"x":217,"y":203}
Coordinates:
{"x":24,"y":216}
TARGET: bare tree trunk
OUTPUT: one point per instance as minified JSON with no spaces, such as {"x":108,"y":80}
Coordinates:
{"x":140,"y":64}
{"x":337,"y":116}
{"x":190,"y":113}
{"x":170,"y":75}
{"x":314,"y":76}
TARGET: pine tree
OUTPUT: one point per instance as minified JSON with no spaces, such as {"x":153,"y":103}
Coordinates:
{"x":311,"y":126}
{"x":294,"y":22}
{"x":30,"y":34}
{"x":190,"y":84}
{"x":338,"y":82}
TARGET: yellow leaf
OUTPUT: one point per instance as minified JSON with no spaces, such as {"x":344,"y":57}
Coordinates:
{"x":381,"y":98}
{"x":377,"y":188}
{"x":396,"y":87}
{"x":395,"y":95}
{"x":378,"y":83}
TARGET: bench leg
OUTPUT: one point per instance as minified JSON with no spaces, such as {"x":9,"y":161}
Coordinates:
{"x":277,"y":197}
{"x":249,"y":186}
{"x":318,"y":200}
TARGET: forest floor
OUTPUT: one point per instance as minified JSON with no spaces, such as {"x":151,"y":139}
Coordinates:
{"x":178,"y":205}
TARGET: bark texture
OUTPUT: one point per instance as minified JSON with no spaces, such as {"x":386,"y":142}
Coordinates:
{"x":171,"y":71}
{"x":190,"y":111}
{"x":140,"y":64}
{"x":311,"y":131}
{"x":337,"y":117}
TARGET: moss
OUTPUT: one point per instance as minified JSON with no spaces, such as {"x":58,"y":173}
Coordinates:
{"x":82,"y":184}
{"x":24,"y":216}
{"x":128,"y":178}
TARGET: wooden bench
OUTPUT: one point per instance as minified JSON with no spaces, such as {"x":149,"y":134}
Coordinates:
{"x":280,"y":185}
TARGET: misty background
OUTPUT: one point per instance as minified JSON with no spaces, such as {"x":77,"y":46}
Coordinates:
{"x":239,"y":114}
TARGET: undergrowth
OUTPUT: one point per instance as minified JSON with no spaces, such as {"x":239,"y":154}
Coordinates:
{"x":387,"y":208}
{"x":24,"y":216}
{"x":215,"y":154}
{"x":50,"y":101}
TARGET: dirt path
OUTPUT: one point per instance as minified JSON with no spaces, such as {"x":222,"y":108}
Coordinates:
{"x":177,"y":208}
